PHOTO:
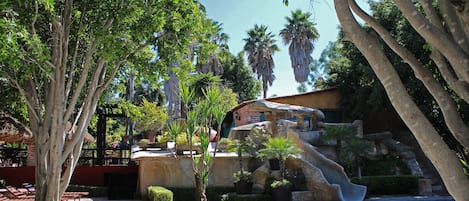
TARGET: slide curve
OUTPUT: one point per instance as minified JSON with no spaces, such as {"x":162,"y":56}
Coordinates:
{"x":325,"y":178}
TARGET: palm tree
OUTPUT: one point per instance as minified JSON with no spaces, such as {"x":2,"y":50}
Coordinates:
{"x":301,"y":34}
{"x":260,"y":46}
{"x":217,"y":37}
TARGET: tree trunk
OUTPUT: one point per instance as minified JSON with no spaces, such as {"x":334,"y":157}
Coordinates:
{"x":200,"y":188}
{"x":444,"y":159}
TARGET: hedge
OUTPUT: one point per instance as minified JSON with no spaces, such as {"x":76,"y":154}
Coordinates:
{"x":158,"y":193}
{"x":390,"y":184}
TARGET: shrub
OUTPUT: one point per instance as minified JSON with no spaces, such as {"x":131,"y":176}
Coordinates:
{"x":387,"y":166}
{"x":242,"y":176}
{"x":188,"y":193}
{"x":158,"y":193}
{"x":390,"y":185}
{"x":143,"y":143}
{"x":280,"y":183}
{"x":248,"y":197}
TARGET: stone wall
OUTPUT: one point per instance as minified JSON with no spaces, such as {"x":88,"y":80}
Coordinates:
{"x":176,"y":171}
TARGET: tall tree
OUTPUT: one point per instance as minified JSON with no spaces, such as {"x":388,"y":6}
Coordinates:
{"x":301,"y":34}
{"x":239,"y":77}
{"x":260,"y":46}
{"x":446,"y":35}
{"x":212,"y":62}
{"x":62,"y":55}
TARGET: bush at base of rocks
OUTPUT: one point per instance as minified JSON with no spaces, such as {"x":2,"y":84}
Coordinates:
{"x":158,"y":193}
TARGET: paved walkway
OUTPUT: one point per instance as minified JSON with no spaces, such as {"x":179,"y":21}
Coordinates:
{"x":412,"y":198}
{"x":405,"y":198}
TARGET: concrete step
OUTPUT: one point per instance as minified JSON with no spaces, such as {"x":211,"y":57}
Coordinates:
{"x":302,"y":196}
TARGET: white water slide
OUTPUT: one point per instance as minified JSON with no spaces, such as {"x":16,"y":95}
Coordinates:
{"x":325,"y":178}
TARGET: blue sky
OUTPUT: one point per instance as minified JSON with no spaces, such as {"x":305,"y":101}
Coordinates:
{"x":241,"y":15}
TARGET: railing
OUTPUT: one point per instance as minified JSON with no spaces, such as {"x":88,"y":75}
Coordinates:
{"x":112,"y":156}
{"x":16,"y":157}
{"x":12,"y":157}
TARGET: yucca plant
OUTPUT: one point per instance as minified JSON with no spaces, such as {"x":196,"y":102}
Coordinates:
{"x":280,"y":148}
{"x":174,"y":129}
{"x":201,"y":114}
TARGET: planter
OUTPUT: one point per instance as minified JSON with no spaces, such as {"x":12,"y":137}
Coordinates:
{"x":274,"y":164}
{"x":185,"y":147}
{"x":162,"y":145}
{"x":171,"y":145}
{"x":243,"y":187}
{"x":282,"y":193}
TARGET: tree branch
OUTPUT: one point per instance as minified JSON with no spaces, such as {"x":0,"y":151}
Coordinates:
{"x":75,"y":55}
{"x":27,"y":98}
{"x":428,"y":138}
{"x":454,"y":25}
{"x":434,"y":36}
{"x":448,"y":107}
{"x":82,"y":80}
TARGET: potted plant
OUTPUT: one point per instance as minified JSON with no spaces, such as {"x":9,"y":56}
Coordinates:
{"x":143,"y":144}
{"x":281,"y":190}
{"x":162,"y":141}
{"x":242,"y":179}
{"x":174,"y":129}
{"x":243,"y":182}
{"x":223,"y":144}
{"x":182,"y":143}
{"x":149,"y":119}
{"x":281,"y":148}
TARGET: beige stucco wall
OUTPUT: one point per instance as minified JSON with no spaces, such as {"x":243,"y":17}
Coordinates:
{"x":176,"y":171}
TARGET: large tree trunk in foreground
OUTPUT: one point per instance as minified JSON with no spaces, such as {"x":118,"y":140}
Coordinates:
{"x":444,"y":159}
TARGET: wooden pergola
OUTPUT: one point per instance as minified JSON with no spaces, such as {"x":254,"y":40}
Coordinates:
{"x":13,"y":131}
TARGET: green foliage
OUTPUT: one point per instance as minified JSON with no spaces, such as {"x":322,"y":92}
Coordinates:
{"x":338,"y":132}
{"x":183,"y":139}
{"x":353,"y":149}
{"x":260,"y":46}
{"x":280,"y":183}
{"x":239,"y":77}
{"x":202,"y":114}
{"x":390,"y":165}
{"x":174,"y":129}
{"x":158,"y":193}
{"x":240,"y":147}
{"x":280,"y":148}
{"x":390,"y":185}
{"x":150,"y":116}
{"x":245,"y":197}
{"x":301,"y":34}
{"x":242,"y":176}
{"x":164,"y":138}
{"x":223,"y":143}
{"x":143,"y":143}
{"x":257,"y":137}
